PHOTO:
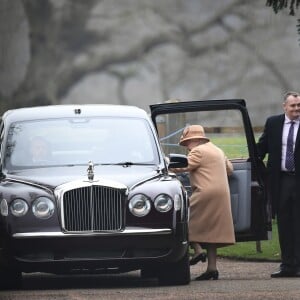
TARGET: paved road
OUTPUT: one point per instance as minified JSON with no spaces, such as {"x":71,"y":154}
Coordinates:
{"x":238,"y":280}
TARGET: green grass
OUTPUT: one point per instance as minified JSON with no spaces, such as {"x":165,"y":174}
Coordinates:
{"x":248,"y":251}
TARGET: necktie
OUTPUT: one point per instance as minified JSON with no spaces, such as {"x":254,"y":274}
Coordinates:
{"x":289,"y":158}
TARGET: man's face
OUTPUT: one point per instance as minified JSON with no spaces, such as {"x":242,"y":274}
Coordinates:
{"x":291,"y":107}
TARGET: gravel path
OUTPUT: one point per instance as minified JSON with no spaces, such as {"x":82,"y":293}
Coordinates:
{"x":238,"y":280}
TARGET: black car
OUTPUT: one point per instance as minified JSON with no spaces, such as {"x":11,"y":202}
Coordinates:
{"x":86,"y":188}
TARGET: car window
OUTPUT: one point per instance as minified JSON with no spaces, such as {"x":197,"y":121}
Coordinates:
{"x":80,"y":140}
{"x":223,"y":127}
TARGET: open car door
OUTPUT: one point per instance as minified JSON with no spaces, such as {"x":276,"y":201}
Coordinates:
{"x":227,"y":124}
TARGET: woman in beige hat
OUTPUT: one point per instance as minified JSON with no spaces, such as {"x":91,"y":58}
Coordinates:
{"x":210,"y":224}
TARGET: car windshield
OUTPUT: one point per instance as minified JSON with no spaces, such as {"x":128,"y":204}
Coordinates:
{"x":76,"y":141}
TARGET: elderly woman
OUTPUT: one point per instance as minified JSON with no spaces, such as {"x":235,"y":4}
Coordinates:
{"x":210,"y":224}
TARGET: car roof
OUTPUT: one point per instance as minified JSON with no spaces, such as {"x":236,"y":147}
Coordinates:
{"x":72,"y":110}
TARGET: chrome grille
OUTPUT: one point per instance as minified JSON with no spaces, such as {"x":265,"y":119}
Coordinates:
{"x":93,"y":208}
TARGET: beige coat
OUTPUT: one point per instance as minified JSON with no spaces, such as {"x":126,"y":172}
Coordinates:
{"x":210,"y":209}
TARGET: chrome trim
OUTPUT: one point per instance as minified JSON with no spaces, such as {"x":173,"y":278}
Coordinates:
{"x":90,"y":171}
{"x":79,"y":184}
{"x":183,"y":217}
{"x":128,"y":231}
{"x":83,"y":183}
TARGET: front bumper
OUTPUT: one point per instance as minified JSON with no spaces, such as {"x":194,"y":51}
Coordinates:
{"x":131,"y":249}
{"x":128,"y":231}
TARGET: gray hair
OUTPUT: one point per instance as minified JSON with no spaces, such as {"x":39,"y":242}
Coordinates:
{"x":290,"y":93}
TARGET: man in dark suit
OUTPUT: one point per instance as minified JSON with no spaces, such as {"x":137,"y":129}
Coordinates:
{"x":281,"y":141}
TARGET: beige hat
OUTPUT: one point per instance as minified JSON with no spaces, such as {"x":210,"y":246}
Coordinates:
{"x":192,"y":132}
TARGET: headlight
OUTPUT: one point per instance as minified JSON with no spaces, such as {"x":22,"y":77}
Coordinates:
{"x":177,"y":202}
{"x":19,"y":207}
{"x":163,"y":203}
{"x":43,"y":208}
{"x":139,"y":205}
{"x":4,"y":208}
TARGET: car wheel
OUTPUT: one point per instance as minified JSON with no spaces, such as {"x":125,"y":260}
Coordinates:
{"x":10,"y":279}
{"x":175,"y":273}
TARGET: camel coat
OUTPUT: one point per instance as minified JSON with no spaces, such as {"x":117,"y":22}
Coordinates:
{"x":210,"y":208}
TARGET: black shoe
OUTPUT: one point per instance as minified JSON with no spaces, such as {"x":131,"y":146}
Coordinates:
{"x":199,"y":257}
{"x":284,"y":273}
{"x":208,"y":275}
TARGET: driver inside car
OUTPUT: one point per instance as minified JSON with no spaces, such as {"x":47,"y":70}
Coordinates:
{"x":39,"y":150}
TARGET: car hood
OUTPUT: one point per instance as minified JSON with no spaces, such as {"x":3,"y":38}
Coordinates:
{"x":55,"y":176}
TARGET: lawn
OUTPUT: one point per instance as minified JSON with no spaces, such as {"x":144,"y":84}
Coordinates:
{"x":248,"y":251}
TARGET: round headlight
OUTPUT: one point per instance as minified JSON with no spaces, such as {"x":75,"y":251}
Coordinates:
{"x":19,"y":207}
{"x":139,"y":205}
{"x":43,"y":208}
{"x":163,"y":203}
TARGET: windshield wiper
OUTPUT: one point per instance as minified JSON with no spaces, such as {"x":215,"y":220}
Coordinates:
{"x":128,"y":163}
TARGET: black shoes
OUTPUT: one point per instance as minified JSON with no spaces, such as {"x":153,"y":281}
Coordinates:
{"x":285,"y":272}
{"x":199,"y":257}
{"x":214,"y":275}
{"x":282,"y":273}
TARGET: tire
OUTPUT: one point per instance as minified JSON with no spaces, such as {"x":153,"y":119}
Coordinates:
{"x":10,"y":279}
{"x":177,"y":273}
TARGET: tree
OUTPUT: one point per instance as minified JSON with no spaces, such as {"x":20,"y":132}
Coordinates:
{"x":137,"y":51}
{"x":291,"y":5}
{"x":278,"y":5}
{"x":50,"y":27}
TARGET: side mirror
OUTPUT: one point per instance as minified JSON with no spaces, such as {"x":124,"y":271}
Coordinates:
{"x":177,"y":161}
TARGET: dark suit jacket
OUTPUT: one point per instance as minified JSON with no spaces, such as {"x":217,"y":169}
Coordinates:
{"x":271,"y":142}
